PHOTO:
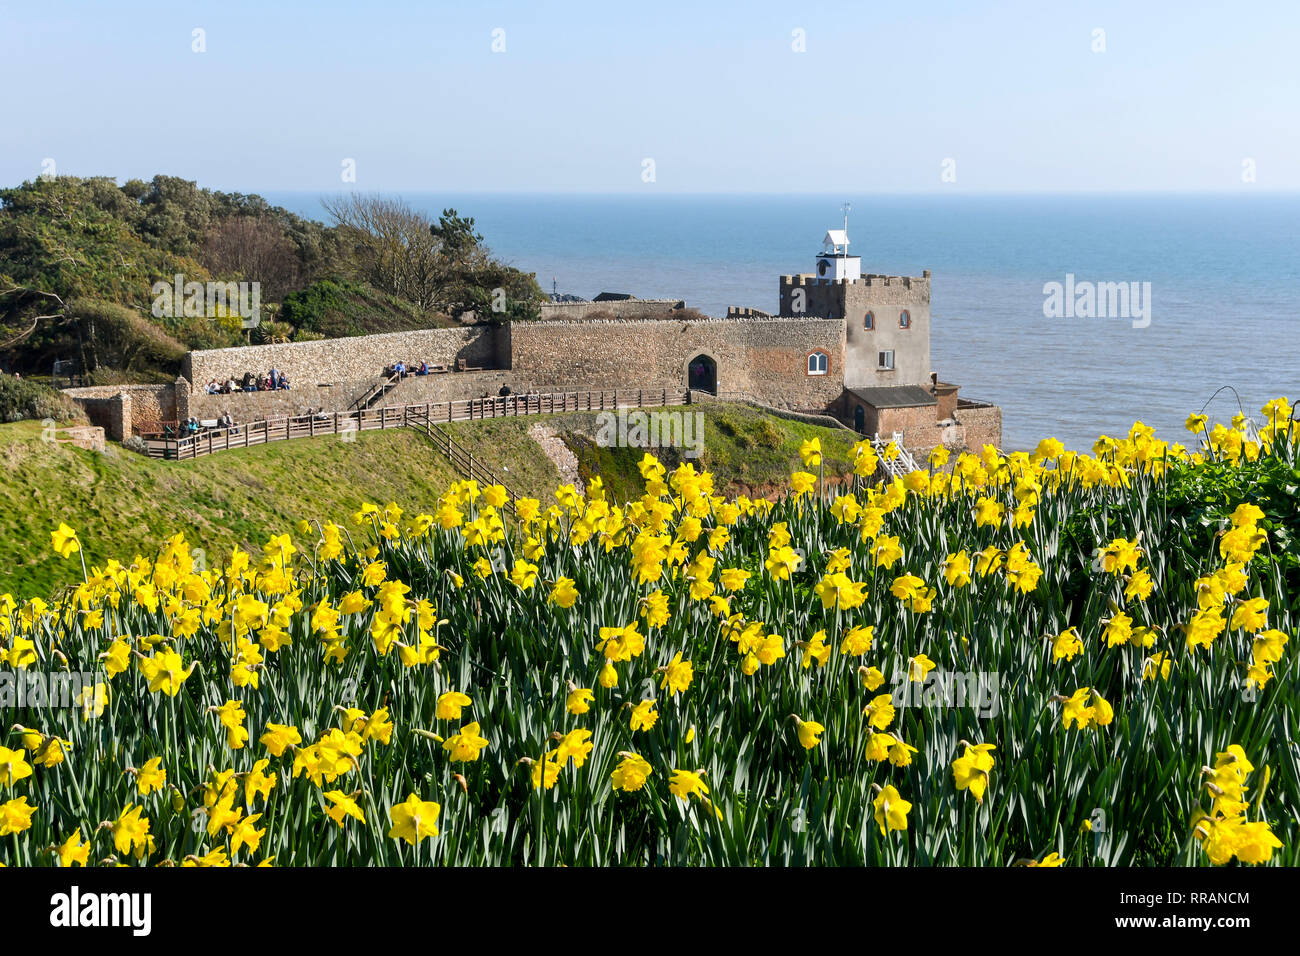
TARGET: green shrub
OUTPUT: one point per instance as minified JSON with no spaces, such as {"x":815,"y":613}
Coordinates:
{"x":22,"y":398}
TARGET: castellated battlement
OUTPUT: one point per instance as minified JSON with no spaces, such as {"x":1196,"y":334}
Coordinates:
{"x":869,"y":279}
{"x":735,"y":315}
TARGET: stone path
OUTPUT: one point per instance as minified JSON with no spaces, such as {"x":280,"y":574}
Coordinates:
{"x":556,"y":450}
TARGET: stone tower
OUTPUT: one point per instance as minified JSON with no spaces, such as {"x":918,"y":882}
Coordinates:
{"x":887,"y":318}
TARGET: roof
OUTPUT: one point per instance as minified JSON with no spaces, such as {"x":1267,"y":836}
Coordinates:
{"x":613,"y":297}
{"x":896,"y":396}
{"x":836,"y":237}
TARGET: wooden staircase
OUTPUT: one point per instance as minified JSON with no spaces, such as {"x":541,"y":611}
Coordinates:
{"x":376,"y":393}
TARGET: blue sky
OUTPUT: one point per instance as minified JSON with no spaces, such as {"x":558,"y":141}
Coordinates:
{"x":713,"y":93}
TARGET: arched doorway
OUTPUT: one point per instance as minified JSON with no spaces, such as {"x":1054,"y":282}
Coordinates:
{"x":702,"y":374}
{"x":859,"y":419}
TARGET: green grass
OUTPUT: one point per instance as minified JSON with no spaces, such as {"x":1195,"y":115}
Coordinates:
{"x":748,"y":451}
{"x":507,"y":450}
{"x":122,"y":500}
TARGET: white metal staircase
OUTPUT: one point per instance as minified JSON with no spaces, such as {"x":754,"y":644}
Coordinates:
{"x":901,"y":463}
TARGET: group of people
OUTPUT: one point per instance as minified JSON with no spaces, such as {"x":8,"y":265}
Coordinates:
{"x":275,"y":380}
{"x":193,"y":426}
{"x":402,"y":369}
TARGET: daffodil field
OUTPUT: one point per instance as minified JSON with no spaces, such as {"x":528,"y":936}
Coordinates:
{"x":1036,"y":659}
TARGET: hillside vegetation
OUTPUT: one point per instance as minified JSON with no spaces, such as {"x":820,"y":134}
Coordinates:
{"x":80,"y":257}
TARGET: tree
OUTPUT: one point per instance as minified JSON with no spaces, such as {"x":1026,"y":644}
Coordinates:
{"x":109,"y":335}
{"x":389,"y":245}
{"x":257,"y":249}
{"x":456,"y":235}
{"x":177,"y":214}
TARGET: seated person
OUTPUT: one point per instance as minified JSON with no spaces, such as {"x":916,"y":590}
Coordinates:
{"x":423,"y":369}
{"x":284,"y":382}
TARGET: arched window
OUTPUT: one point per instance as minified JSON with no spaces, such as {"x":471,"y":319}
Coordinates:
{"x":869,"y":322}
{"x":818,"y":363}
{"x":905,"y":320}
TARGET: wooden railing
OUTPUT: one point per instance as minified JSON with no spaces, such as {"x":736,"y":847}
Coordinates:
{"x":376,"y":393}
{"x":401,"y":416}
{"x":461,"y":459}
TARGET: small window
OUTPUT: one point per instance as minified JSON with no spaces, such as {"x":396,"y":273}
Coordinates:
{"x":887,"y":360}
{"x":905,"y":320}
{"x":869,"y":322}
{"x":818,"y":362}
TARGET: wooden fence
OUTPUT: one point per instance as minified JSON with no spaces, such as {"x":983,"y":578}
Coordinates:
{"x":424,"y":416}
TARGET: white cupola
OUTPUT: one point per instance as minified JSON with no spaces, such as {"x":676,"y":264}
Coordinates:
{"x":835,"y":263}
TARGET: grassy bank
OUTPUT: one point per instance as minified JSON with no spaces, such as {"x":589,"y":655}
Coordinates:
{"x":747,"y":451}
{"x":239,"y":498}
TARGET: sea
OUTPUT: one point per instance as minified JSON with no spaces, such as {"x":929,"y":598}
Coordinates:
{"x":1218,"y":278}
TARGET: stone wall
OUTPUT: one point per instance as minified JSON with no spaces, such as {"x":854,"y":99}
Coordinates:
{"x":358,"y":359}
{"x":105,"y":413}
{"x":149,"y":403}
{"x":763,"y":358}
{"x":618,"y":308}
{"x":412,"y":390}
{"x":982,"y":422}
{"x":89,"y":437}
{"x":254,"y":406}
{"x":921,"y":429}
{"x":756,"y":356}
{"x":810,"y":418}
{"x":451,"y":387}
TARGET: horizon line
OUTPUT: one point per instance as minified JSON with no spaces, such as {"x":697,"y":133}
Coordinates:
{"x":1244,"y":191}
{"x":649,"y":191}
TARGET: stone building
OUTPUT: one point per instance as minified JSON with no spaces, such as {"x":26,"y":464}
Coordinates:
{"x":842,"y":343}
